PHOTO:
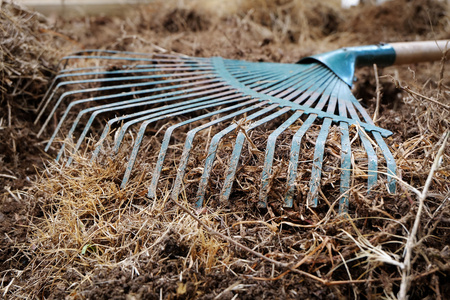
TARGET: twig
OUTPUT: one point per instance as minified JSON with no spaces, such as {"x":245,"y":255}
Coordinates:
{"x":378,"y":92}
{"x":411,"y":242}
{"x":409,"y":90}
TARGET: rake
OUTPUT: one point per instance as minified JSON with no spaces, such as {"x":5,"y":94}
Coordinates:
{"x":142,"y":90}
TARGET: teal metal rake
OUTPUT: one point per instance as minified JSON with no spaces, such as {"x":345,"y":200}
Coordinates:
{"x":141,"y":90}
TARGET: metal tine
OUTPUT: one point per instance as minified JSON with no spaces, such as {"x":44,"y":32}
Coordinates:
{"x":124,"y":128}
{"x":212,"y":150}
{"x":270,"y":152}
{"x":134,"y":93}
{"x":202,"y":67}
{"x":159,"y":99}
{"x":173,"y":60}
{"x":65,"y":73}
{"x":371,"y":154}
{"x":175,"y":63}
{"x":238,"y":73}
{"x":281,"y":84}
{"x":120,"y":86}
{"x":316,"y":171}
{"x":251,"y":78}
{"x":283,"y":81}
{"x":136,"y":69}
{"x":130,"y":58}
{"x":129,"y":53}
{"x":390,"y":161}
{"x":271,"y":142}
{"x":346,"y":153}
{"x":147,"y":69}
{"x":224,"y":96}
{"x":144,"y":125}
{"x":293,"y":161}
{"x":231,"y":172}
{"x":234,"y":160}
{"x":95,"y":67}
{"x":346,"y":165}
{"x":146,"y":54}
{"x":238,"y":145}
{"x":70,"y":72}
{"x":280,"y":76}
{"x":189,"y":143}
{"x":323,"y":83}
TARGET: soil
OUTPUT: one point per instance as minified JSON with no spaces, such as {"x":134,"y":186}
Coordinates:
{"x":176,"y":257}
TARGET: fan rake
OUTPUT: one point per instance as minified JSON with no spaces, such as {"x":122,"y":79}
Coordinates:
{"x":142,"y":90}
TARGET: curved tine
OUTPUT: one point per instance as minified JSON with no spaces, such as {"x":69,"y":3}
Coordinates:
{"x":157,"y":117}
{"x":125,"y":58}
{"x":84,"y":69}
{"x":296,"y":83}
{"x":293,"y":161}
{"x":213,"y":148}
{"x":316,"y":172}
{"x":150,"y":68}
{"x":107,"y":88}
{"x":346,"y":152}
{"x":390,"y":161}
{"x":346,"y":165}
{"x":246,"y":66}
{"x":155,"y":112}
{"x":311,"y":87}
{"x":371,"y":154}
{"x":268,"y":160}
{"x":60,"y":74}
{"x":159,"y":98}
{"x":248,"y":75}
{"x":143,"y":69}
{"x":299,"y":88}
{"x":372,"y":160}
{"x":189,"y":141}
{"x":316,"y":90}
{"x":307,"y":88}
{"x":109,"y":79}
{"x":178,"y":66}
{"x":261,"y":82}
{"x":84,"y":51}
{"x":358,"y":106}
{"x":234,"y":160}
{"x":189,"y":103}
{"x":125,"y":126}
{"x":133,"y":93}
{"x":46,"y":99}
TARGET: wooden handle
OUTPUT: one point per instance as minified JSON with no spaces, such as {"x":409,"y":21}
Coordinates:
{"x":415,"y":52}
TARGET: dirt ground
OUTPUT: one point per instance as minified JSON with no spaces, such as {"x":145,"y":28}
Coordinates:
{"x":72,"y":233}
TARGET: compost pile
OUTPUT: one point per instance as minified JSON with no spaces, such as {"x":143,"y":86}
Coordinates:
{"x":71,"y":232}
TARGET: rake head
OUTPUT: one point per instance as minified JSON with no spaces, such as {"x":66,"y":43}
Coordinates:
{"x":142,"y":90}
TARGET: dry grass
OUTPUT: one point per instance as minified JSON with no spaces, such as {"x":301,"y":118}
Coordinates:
{"x":89,"y":223}
{"x":85,"y":232}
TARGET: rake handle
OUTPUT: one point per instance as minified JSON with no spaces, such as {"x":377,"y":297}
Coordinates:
{"x":415,"y":52}
{"x":344,"y":61}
